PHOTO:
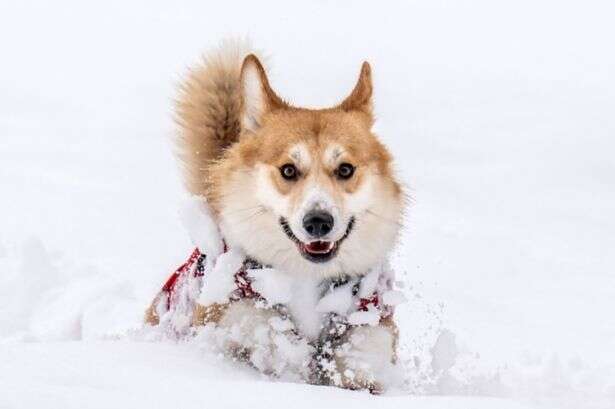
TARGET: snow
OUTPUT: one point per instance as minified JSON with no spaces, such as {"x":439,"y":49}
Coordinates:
{"x":197,"y":218}
{"x":369,"y":284}
{"x":444,"y":352}
{"x":370,"y":317}
{"x":393,"y":298}
{"x":275,"y":286}
{"x":220,"y":282}
{"x":499,"y":114}
{"x":41,"y":300}
{"x":165,"y":375}
{"x":338,"y":300}
{"x":302,"y":306}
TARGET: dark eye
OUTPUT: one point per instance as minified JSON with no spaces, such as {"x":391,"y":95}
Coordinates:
{"x":289,"y":171}
{"x":344,"y":171}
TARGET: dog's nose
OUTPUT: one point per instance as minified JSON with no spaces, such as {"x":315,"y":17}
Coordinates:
{"x":318,"y":223}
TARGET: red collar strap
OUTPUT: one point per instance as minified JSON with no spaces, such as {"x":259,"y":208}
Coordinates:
{"x":243,"y":283}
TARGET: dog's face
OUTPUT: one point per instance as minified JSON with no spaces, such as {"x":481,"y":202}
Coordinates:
{"x":307,"y":190}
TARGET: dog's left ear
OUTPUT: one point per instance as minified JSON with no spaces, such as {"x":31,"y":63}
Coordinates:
{"x":257,"y":96}
{"x":360,"y":99}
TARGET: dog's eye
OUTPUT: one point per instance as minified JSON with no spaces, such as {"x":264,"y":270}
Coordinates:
{"x":289,"y":171}
{"x":344,"y":171}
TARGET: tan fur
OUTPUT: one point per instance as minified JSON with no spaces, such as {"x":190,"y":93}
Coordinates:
{"x":151,"y":316}
{"x":347,"y":124}
{"x":287,"y":128}
{"x":209,"y":114}
{"x":207,"y":111}
{"x":203,"y":315}
{"x":235,"y":135}
{"x":246,"y":180}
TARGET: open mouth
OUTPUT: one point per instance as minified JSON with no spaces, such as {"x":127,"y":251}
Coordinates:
{"x":317,"y":251}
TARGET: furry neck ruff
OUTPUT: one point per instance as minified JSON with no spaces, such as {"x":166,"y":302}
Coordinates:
{"x":216,"y":275}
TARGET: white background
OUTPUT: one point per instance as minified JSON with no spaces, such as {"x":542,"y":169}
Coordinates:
{"x":500,"y":116}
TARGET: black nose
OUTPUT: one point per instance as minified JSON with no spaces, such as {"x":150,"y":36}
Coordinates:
{"x":317,"y":223}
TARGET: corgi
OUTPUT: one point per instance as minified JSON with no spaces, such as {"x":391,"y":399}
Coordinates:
{"x":311,"y":192}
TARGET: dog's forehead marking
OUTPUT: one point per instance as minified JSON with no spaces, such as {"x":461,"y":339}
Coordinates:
{"x":300,"y":154}
{"x":332,"y":154}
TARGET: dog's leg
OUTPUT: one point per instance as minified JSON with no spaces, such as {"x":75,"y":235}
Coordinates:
{"x":263,"y":337}
{"x":358,"y":357}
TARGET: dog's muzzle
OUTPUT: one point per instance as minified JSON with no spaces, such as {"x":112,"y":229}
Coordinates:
{"x":317,"y":224}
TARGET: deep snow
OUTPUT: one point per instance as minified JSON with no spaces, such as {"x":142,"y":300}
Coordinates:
{"x":161,"y":376}
{"x":500,"y":116}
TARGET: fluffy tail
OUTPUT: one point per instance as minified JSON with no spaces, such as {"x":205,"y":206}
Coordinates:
{"x":208,"y":112}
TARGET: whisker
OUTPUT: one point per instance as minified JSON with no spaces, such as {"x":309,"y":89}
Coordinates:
{"x":395,"y":222}
{"x":245,"y":209}
{"x":257,"y":213}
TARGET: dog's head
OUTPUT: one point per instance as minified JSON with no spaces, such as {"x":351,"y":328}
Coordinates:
{"x":307,"y":190}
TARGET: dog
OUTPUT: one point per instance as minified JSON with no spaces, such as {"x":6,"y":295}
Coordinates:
{"x":311,"y":192}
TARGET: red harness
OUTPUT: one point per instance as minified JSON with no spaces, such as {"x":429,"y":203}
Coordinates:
{"x":242,"y":282}
{"x":170,"y":284}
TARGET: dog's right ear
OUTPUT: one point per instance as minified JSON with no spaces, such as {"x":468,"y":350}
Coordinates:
{"x":257,"y":97}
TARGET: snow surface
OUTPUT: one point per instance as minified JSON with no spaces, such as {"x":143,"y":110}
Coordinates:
{"x":500,"y":115}
{"x":148,"y":375}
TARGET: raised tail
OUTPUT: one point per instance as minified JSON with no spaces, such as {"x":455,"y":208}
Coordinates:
{"x":208,"y":112}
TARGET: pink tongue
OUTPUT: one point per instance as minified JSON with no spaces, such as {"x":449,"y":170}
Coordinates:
{"x":318,"y":246}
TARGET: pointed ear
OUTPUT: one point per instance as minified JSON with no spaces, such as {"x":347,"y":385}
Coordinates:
{"x":360,"y":99}
{"x":257,"y":96}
